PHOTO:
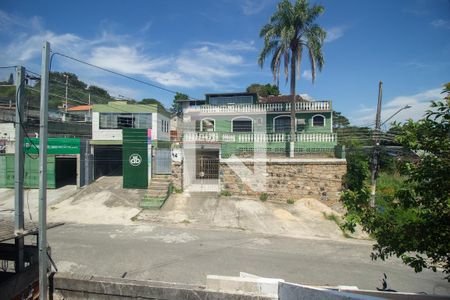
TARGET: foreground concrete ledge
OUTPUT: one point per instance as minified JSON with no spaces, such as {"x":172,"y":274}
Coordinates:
{"x":288,"y":161}
{"x":74,"y":286}
{"x":290,"y":291}
{"x":246,"y":283}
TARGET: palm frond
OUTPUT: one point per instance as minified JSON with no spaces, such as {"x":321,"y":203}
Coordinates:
{"x":290,"y":28}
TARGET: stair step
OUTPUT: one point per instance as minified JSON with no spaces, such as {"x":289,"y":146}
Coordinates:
{"x":159,"y":184}
{"x":155,"y":194}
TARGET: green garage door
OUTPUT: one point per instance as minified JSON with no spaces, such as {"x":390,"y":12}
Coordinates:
{"x":31,"y":169}
{"x":135,"y":158}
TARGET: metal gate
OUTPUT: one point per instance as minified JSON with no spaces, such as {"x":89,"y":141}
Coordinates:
{"x":207,"y":167}
{"x":162,"y":161}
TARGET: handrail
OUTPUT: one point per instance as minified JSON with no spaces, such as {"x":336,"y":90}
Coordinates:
{"x":262,"y":107}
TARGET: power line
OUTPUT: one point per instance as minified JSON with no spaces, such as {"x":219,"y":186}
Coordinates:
{"x":114,"y":72}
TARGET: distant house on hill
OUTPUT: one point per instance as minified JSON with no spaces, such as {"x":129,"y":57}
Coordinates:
{"x":79,"y":113}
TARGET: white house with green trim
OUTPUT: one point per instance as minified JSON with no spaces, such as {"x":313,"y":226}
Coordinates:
{"x":108,"y":120}
{"x":231,"y":121}
{"x":228,"y":136}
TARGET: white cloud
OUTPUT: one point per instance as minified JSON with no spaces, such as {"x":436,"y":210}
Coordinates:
{"x":125,"y":59}
{"x":205,"y":64}
{"x":307,"y":74}
{"x":419,"y":103}
{"x":440,"y":23}
{"x":334,"y":33}
{"x":252,"y":7}
{"x":232,"y":46}
{"x":307,"y":97}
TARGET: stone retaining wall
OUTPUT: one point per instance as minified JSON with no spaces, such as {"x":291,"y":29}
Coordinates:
{"x":177,"y":174}
{"x":291,"y":179}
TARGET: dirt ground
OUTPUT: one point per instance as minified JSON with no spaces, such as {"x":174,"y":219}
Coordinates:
{"x":106,"y":202}
{"x":303,"y":219}
{"x":102,"y":202}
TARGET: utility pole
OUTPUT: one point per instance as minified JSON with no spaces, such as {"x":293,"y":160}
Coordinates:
{"x":376,"y":148}
{"x":89,"y":113}
{"x":19,"y":159}
{"x":67,"y":88}
{"x":43,"y":130}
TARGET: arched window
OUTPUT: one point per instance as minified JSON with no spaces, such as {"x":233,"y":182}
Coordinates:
{"x":242,"y":124}
{"x":282,"y":124}
{"x":207,"y":125}
{"x":318,"y":121}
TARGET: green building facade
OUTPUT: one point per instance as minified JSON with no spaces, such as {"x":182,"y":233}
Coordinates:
{"x":237,"y":121}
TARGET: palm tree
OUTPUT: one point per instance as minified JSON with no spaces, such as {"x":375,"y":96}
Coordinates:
{"x":292,"y":29}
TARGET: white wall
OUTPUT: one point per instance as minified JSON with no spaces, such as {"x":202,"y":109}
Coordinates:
{"x":7,"y":131}
{"x":8,"y":134}
{"x":160,"y":134}
{"x":104,"y":134}
{"x":116,"y":134}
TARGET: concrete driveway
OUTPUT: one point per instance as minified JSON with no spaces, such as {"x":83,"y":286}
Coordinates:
{"x":303,"y":219}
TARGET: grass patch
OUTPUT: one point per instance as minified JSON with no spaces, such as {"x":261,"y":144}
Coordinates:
{"x":263,"y":197}
{"x":387,"y":186}
{"x":290,"y":201}
{"x":53,"y":207}
{"x":225,"y":193}
{"x":332,"y":217}
{"x":177,"y":190}
{"x":336,"y":219}
{"x":185,"y":221}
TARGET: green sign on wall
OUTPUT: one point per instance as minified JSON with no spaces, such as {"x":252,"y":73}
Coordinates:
{"x":135,"y":158}
{"x":54,"y":145}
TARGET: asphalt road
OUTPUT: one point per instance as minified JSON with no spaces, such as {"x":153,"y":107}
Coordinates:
{"x":184,"y":255}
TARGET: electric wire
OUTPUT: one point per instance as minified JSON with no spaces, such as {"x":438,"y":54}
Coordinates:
{"x":113,"y":72}
{"x":21,"y":122}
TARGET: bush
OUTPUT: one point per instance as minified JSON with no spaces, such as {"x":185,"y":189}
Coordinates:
{"x":263,"y":197}
{"x":225,"y":193}
{"x":177,"y":190}
{"x":290,"y":201}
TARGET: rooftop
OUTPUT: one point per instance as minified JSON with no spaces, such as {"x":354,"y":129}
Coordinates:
{"x":80,"y":108}
{"x":281,"y":99}
{"x":124,"y":107}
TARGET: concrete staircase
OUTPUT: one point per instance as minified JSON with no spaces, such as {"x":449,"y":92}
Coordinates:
{"x":158,"y":192}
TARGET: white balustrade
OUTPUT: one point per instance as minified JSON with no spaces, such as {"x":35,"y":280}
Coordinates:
{"x":247,"y":108}
{"x":201,"y":136}
{"x":250,"y":137}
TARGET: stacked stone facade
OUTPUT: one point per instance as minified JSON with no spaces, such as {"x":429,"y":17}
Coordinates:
{"x":177,"y":174}
{"x":292,"y":179}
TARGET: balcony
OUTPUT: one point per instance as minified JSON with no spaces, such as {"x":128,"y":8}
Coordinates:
{"x":313,"y":106}
{"x":251,"y":137}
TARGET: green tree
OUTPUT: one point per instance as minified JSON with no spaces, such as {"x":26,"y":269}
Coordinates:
{"x":290,"y":31}
{"x":10,"y":79}
{"x":415,"y":224}
{"x":150,"y":101}
{"x":339,"y":120}
{"x":263,"y":90}
{"x":176,"y":108}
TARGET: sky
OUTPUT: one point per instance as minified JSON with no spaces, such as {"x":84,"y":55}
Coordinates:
{"x":199,"y":47}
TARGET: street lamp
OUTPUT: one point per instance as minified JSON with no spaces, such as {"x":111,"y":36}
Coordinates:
{"x":67,"y":82}
{"x":404,"y":107}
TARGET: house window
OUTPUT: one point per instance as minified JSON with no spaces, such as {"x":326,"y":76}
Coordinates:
{"x":282,"y":124}
{"x":318,"y":121}
{"x":242,"y":125}
{"x":230,"y":100}
{"x":125,"y":120}
{"x":207,"y":125}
